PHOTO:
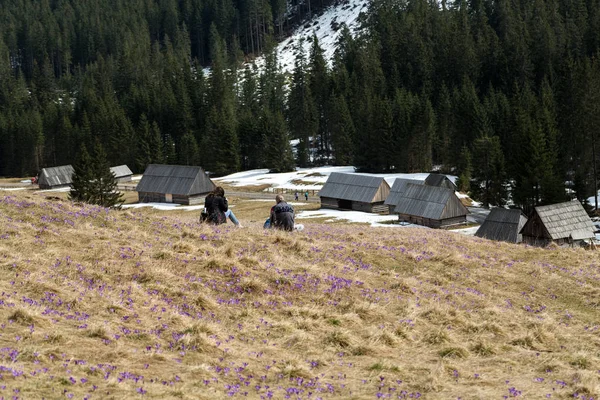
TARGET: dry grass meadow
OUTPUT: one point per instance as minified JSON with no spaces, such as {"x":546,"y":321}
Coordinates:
{"x":135,"y":304}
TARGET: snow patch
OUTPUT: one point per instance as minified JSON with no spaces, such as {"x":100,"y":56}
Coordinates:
{"x":325,"y":27}
{"x":62,"y":189}
{"x":350,"y":216}
{"x":164,"y":206}
{"x":304,"y":178}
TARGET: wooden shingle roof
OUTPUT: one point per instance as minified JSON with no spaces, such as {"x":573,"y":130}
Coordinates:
{"x":430,"y":202}
{"x":121,"y":171}
{"x":175,"y":179}
{"x":56,"y":176}
{"x":354,"y":187}
{"x":503,"y":225}
{"x":440,"y":180}
{"x":565,"y":220}
{"x":398,"y":188}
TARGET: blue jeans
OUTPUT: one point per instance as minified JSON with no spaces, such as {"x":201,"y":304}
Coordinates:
{"x":229,"y":214}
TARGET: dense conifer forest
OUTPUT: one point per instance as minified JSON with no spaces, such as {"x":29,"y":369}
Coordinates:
{"x":499,"y":92}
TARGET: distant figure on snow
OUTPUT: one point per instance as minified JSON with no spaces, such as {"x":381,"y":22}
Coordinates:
{"x":306,"y":195}
{"x":296,"y":195}
{"x":216,"y":209}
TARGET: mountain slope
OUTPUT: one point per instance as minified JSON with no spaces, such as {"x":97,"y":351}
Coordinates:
{"x":325,"y":26}
{"x":109,"y":304}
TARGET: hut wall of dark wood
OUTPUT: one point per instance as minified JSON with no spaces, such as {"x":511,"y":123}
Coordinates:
{"x":338,"y":204}
{"x":328,"y":202}
{"x":355,"y":192}
{"x":433,"y":223}
{"x":146,"y":197}
{"x":188,"y":200}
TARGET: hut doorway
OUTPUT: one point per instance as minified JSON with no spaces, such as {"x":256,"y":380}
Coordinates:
{"x":345,"y":204}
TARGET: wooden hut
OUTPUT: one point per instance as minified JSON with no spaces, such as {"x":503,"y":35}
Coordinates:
{"x":179,"y":184}
{"x":397,"y":190}
{"x":355,"y":192}
{"x":122,"y":173}
{"x":440,"y":180}
{"x":503,"y":225}
{"x":432,"y":206}
{"x":563,"y":223}
{"x":55,"y":177}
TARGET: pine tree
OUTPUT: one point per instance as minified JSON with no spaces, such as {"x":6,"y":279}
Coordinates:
{"x":104,"y":185}
{"x":553,"y":188}
{"x":301,"y":110}
{"x":93,"y":182}
{"x":188,"y":153}
{"x":465,"y":169}
{"x":278,"y":157}
{"x":489,"y":176}
{"x":342,"y":131}
{"x":83,"y":175}
{"x":144,"y":151}
{"x":319,"y":88}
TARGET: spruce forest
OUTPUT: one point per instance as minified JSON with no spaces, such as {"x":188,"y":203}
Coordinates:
{"x":499,"y":92}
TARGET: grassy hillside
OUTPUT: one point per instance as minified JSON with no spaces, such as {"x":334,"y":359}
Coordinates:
{"x":105,"y":304}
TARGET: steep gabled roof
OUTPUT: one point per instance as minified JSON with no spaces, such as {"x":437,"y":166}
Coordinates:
{"x":398,"y":188}
{"x":440,"y":180}
{"x":430,"y":202}
{"x":175,"y":179}
{"x":565,"y":220}
{"x":502,"y":224}
{"x":121,"y":171}
{"x":354,"y":187}
{"x":56,"y":176}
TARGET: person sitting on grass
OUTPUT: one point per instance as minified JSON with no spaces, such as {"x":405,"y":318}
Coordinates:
{"x":282,"y":215}
{"x":216,"y":209}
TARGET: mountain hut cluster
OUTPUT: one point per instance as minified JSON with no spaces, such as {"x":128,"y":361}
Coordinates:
{"x":431,"y":202}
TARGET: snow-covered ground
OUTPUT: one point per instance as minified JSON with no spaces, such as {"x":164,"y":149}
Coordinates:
{"x":61,"y":189}
{"x":165,"y":206}
{"x":324,"y":27}
{"x":303,"y":178}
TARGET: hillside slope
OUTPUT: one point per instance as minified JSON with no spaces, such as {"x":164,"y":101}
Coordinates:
{"x":325,"y":27}
{"x":121,"y":304}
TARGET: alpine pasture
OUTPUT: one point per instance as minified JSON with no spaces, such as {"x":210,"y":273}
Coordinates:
{"x":135,"y":304}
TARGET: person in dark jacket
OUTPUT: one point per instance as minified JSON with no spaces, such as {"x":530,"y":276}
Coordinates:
{"x":282,"y":215}
{"x":216,"y":206}
{"x":216,"y":209}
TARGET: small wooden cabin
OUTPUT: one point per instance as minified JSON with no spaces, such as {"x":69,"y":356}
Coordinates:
{"x":56,"y":177}
{"x":398,"y":188}
{"x":122,"y":173}
{"x":435,"y":207}
{"x":355,"y":192}
{"x":563,"y":224}
{"x":503,"y":225}
{"x":181,"y":184}
{"x":440,"y":180}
